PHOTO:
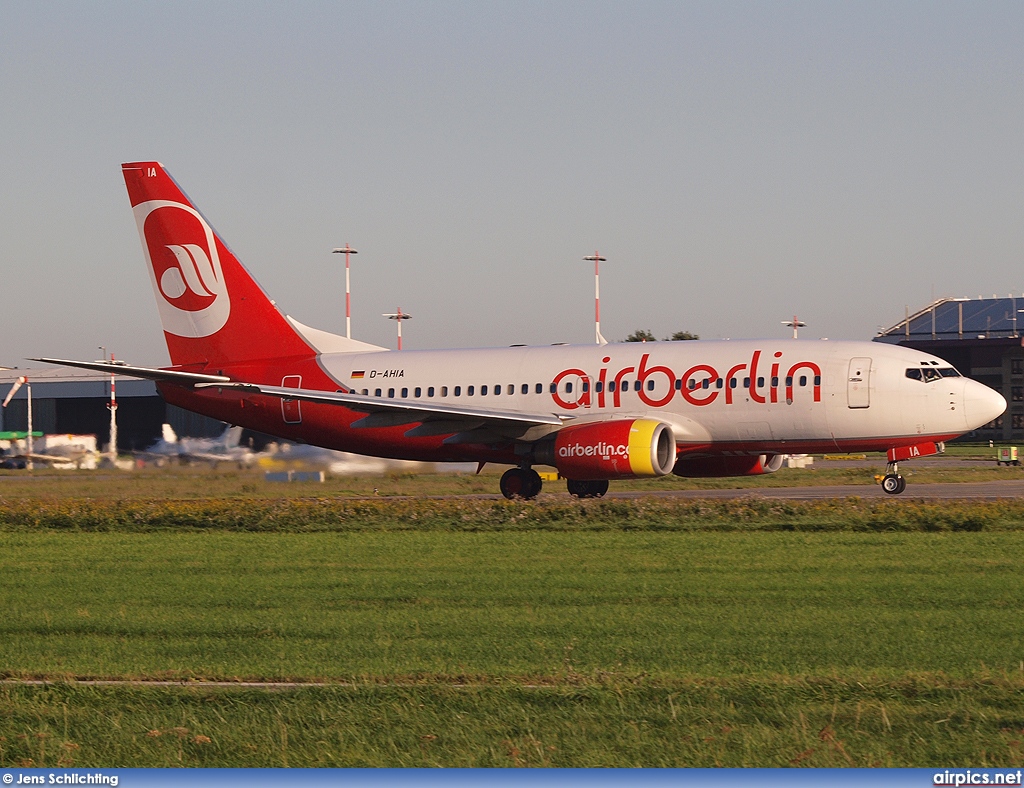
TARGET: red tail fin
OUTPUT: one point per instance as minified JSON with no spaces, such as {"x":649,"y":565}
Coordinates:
{"x":212,"y":310}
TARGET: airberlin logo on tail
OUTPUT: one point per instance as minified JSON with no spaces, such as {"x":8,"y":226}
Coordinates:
{"x":184,"y":267}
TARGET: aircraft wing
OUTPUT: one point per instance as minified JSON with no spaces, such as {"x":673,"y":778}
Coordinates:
{"x":383,"y":412}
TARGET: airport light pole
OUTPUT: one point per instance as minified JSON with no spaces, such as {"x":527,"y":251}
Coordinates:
{"x":597,"y":260}
{"x":398,"y":316}
{"x":794,"y":324}
{"x":112,"y":407}
{"x":348,"y":250}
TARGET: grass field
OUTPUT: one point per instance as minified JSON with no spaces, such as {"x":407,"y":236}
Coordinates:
{"x":473,"y":632}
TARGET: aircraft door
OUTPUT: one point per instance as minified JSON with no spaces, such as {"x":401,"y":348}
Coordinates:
{"x":291,"y":409}
{"x":858,"y":386}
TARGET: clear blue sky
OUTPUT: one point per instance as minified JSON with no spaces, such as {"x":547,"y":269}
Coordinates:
{"x":735,"y":162}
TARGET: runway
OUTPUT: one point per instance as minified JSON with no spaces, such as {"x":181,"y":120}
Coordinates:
{"x":973,"y":491}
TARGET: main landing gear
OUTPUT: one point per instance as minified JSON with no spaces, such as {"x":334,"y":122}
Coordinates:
{"x":522,"y":483}
{"x":892,"y":482}
{"x":525,"y":484}
{"x":591,"y":489}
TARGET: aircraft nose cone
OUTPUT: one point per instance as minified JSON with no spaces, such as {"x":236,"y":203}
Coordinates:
{"x":981,"y":403}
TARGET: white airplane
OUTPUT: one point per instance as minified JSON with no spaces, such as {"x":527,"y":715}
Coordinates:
{"x":224,"y":448}
{"x":595,"y":412}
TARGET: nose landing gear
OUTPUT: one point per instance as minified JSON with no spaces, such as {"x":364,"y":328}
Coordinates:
{"x":892,"y":482}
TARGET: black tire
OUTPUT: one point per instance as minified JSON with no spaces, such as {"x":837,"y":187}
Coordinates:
{"x":512,"y":483}
{"x":520,"y":483}
{"x":587,"y":489}
{"x":892,"y":484}
{"x":534,"y":484}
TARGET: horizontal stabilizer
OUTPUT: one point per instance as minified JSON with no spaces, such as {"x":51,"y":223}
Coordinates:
{"x":146,"y":373}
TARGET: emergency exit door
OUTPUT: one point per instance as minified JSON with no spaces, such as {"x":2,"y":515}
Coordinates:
{"x":858,"y":386}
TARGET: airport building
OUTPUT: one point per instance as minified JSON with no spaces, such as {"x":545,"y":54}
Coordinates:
{"x":981,"y":338}
{"x":75,"y":401}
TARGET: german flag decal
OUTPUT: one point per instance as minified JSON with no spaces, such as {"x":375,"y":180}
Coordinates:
{"x":358,"y":374}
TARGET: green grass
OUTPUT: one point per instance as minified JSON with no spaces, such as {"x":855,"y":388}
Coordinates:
{"x":771,"y":722}
{"x":469,"y":632}
{"x":525,"y":606}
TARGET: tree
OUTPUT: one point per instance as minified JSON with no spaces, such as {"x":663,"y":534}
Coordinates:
{"x":640,"y":335}
{"x":680,"y":336}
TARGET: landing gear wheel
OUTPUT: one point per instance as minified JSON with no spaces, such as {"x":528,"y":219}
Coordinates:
{"x":894,"y":484}
{"x":533,"y":483}
{"x":522,"y":483}
{"x":588,"y":489}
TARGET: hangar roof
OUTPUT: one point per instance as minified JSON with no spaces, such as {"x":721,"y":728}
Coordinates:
{"x":960,"y":318}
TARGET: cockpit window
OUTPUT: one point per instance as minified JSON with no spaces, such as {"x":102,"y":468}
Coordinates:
{"x":928,"y":374}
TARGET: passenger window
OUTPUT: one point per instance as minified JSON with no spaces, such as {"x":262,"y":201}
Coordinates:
{"x":526,"y":388}
{"x":718,"y":383}
{"x":405,"y":393}
{"x":599,"y":387}
{"x":391,"y":393}
{"x":512,"y":389}
{"x":554,"y":388}
{"x":679,"y":384}
{"x":760,"y":383}
{"x":705,"y":383}
{"x":458,"y":391}
{"x":746,"y":383}
{"x":775,"y":382}
{"x":444,"y":391}
{"x":469,"y":391}
{"x":636,"y":385}
{"x":568,"y":388}
{"x":650,"y":385}
{"x":430,"y":391}
{"x":365,"y":392}
{"x":540,"y":388}
{"x":483,"y":391}
{"x":817,"y":380}
{"x":803,"y":380}
{"x":586,"y":386}
{"x":691,"y":384}
{"x":732,"y":383}
{"x":376,"y":392}
{"x":497,"y":390}
{"x":789,"y":380}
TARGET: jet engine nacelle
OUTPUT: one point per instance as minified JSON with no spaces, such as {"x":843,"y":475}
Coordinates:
{"x":612,"y":450}
{"x":729,"y":466}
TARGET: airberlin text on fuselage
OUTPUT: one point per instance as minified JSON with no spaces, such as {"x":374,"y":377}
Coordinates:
{"x":780,"y":376}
